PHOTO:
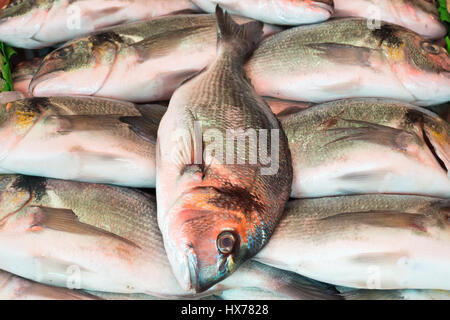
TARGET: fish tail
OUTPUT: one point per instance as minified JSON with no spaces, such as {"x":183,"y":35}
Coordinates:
{"x":244,"y":38}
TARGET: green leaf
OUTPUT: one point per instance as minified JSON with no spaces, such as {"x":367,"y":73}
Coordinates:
{"x":445,"y":16}
{"x":6,"y":53}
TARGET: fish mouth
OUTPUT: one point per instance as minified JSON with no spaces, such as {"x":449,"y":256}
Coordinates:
{"x":185,"y":267}
{"x":327,"y":5}
{"x":40,"y":78}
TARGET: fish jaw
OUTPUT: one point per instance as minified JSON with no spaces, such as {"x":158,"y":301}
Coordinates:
{"x":77,"y":68}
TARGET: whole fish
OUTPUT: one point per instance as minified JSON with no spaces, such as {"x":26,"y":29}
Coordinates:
{"x":152,"y":58}
{"x":282,"y":12}
{"x":215,"y":213}
{"x":106,"y":238}
{"x":365,"y":241}
{"x":421,"y":16}
{"x":409,"y":294}
{"x":80,"y":138}
{"x":16,"y":288}
{"x":368,"y":146}
{"x":349,"y":58}
{"x":41,"y":23}
{"x":23,"y":73}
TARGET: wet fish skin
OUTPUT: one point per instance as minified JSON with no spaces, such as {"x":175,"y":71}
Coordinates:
{"x":409,"y":294}
{"x":348,"y":241}
{"x":105,"y":234}
{"x":16,"y":288}
{"x":281,"y":12}
{"x":80,"y":138}
{"x":209,"y":199}
{"x":358,"y":61}
{"x":31,"y":24}
{"x":420,"y":16}
{"x":152,"y":57}
{"x":23,"y":72}
{"x":360,"y":146}
{"x":54,"y":230}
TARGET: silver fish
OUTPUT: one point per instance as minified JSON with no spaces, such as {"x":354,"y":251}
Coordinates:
{"x":152,"y":57}
{"x":215,"y":213}
{"x":348,"y":58}
{"x":365,"y":241}
{"x":421,"y":16}
{"x":368,"y":146}
{"x":80,"y":138}
{"x":41,"y":23}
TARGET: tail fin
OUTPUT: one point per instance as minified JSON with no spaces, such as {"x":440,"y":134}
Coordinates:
{"x":244,"y":37}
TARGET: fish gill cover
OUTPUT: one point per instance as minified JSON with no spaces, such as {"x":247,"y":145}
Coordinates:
{"x":445,"y":17}
{"x":6,"y":52}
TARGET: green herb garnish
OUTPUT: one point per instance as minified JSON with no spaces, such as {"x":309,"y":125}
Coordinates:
{"x":445,"y":17}
{"x":6,"y":53}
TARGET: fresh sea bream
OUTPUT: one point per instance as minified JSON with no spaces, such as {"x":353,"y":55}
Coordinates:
{"x":80,"y":138}
{"x":368,"y":146}
{"x":152,"y":58}
{"x":282,"y":12}
{"x":365,"y":241}
{"x":106,"y":238}
{"x":421,"y":16}
{"x":35,"y":24}
{"x":218,"y":207}
{"x":347,"y":58}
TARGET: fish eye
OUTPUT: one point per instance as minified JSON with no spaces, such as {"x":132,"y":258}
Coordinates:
{"x":64,"y":52}
{"x":431,"y":48}
{"x":226,"y":242}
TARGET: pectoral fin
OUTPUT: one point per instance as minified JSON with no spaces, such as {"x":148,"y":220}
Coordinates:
{"x":146,"y":126}
{"x":65,"y":220}
{"x":342,"y":53}
{"x":373,"y":133}
{"x":383,"y":219}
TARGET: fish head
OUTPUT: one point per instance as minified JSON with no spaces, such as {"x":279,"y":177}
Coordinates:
{"x":310,"y":11}
{"x":21,"y":20}
{"x":80,"y":67}
{"x":421,"y":66}
{"x":208,"y":235}
{"x":17,"y":118}
{"x":420,"y":15}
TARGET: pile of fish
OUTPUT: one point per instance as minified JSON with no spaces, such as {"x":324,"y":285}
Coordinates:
{"x":178,"y":149}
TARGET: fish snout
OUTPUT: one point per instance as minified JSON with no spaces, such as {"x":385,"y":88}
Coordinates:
{"x":184,"y":266}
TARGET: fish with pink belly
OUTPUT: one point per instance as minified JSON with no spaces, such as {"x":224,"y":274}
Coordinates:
{"x":152,"y":58}
{"x":421,"y":16}
{"x":351,"y":58}
{"x":282,"y":12}
{"x":33,"y":24}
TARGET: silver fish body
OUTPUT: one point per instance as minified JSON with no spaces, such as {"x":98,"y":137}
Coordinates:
{"x":421,"y":16}
{"x":348,"y":58}
{"x":282,"y":12}
{"x":359,"y":146}
{"x":152,"y":57}
{"x":215,"y":213}
{"x":80,"y":138}
{"x":35,"y":24}
{"x":365,"y":241}
{"x":105,"y":238}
